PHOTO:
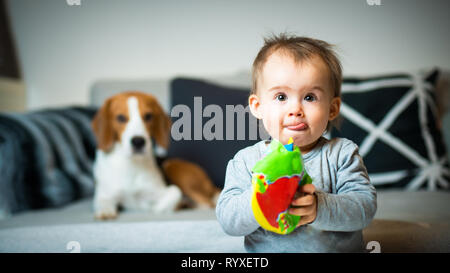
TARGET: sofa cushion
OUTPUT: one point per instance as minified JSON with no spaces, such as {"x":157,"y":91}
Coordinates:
{"x":404,"y":222}
{"x":136,"y":237}
{"x":393,"y":119}
{"x":392,"y":236}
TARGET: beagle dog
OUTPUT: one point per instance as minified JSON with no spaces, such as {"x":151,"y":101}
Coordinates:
{"x":125,"y":169}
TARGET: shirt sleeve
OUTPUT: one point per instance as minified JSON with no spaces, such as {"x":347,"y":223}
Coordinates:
{"x":233,"y":209}
{"x":354,"y":205}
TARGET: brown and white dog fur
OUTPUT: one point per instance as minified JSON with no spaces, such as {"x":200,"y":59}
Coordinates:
{"x":125,"y":169}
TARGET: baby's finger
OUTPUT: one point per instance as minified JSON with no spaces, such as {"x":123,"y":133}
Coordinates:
{"x":301,"y":211}
{"x":305,"y":220}
{"x":308,"y":188}
{"x":305,"y":200}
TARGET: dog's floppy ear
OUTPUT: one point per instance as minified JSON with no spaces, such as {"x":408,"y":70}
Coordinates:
{"x":102,"y":127}
{"x":160,"y":127}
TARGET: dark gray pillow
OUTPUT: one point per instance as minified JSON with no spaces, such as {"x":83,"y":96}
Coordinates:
{"x":211,"y":146}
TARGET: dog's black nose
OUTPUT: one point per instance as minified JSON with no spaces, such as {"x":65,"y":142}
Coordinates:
{"x":138,"y":142}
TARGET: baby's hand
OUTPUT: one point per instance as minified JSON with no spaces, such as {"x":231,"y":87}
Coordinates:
{"x":305,"y":205}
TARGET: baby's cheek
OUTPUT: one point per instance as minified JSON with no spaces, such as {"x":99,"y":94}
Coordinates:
{"x":273,"y":128}
{"x":272,"y":120}
{"x":320,"y":119}
{"x":322,"y":124}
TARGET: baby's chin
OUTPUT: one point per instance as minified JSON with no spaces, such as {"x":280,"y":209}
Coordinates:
{"x":299,"y":138}
{"x":285,"y":138}
{"x":299,"y":141}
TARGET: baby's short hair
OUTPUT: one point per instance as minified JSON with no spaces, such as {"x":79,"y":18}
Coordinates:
{"x":301,"y":49}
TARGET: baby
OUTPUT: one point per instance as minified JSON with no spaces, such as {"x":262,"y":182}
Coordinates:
{"x":296,"y":93}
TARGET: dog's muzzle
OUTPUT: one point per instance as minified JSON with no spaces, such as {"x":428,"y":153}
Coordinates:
{"x":138,"y":144}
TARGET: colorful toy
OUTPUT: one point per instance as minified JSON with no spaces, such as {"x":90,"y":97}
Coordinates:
{"x":275,"y":180}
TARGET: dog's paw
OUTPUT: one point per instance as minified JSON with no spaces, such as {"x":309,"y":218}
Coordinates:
{"x":169,"y":200}
{"x":106,"y":213}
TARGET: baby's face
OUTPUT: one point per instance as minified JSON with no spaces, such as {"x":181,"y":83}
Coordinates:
{"x":295,"y":100}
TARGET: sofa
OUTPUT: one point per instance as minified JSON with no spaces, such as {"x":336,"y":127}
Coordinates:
{"x":55,"y":215}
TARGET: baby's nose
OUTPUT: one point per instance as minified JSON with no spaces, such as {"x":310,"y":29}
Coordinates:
{"x":296,"y":111}
{"x":298,"y":114}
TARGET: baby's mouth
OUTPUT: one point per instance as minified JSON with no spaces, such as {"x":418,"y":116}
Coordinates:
{"x":298,"y":127}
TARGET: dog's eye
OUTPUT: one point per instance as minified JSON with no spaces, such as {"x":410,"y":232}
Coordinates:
{"x":121,"y":118}
{"x":147,"y":117}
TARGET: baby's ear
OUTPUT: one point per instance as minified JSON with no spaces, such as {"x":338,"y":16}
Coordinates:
{"x":335,"y":106}
{"x":253,"y":103}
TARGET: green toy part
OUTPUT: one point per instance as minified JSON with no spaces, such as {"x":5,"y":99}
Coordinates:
{"x":275,"y":181}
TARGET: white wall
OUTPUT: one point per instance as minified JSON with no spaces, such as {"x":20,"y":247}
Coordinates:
{"x":63,"y":49}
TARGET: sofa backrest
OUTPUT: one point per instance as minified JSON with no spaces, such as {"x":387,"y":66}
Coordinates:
{"x":159,"y":87}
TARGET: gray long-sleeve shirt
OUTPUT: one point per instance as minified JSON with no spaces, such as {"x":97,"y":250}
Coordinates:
{"x":346,"y":201}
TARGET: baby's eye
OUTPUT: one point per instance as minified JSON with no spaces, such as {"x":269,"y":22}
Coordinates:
{"x":281,"y":97}
{"x":310,"y":97}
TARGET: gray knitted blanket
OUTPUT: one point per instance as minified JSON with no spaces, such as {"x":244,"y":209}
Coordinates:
{"x":46,"y":158}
